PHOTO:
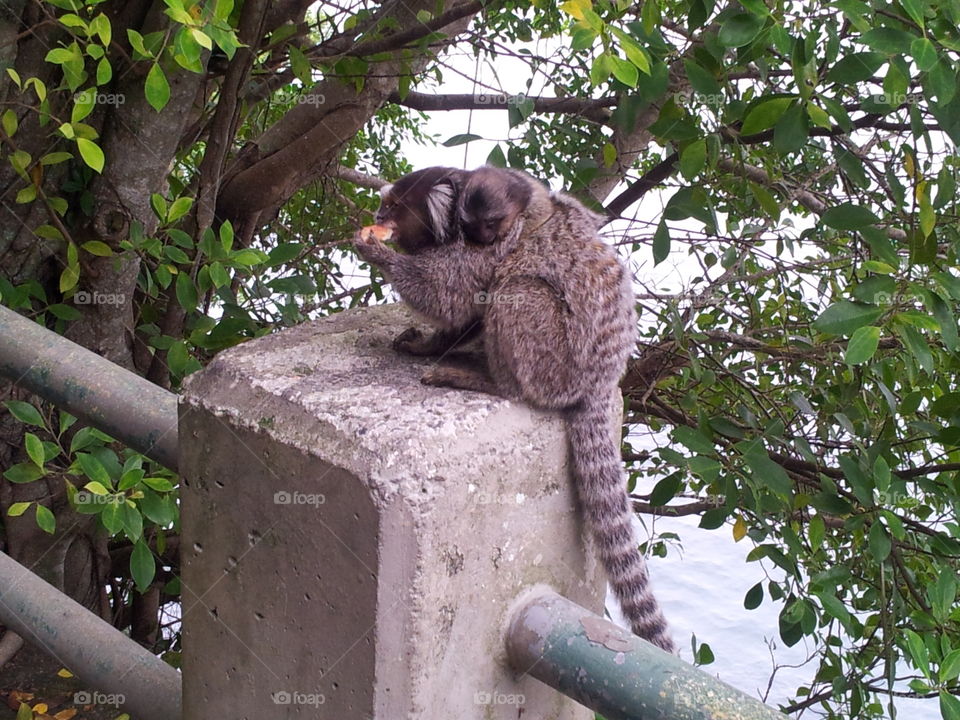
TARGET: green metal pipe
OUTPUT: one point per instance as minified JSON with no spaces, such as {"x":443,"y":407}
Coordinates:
{"x":614,"y":672}
{"x":117,"y":401}
{"x":96,"y":652}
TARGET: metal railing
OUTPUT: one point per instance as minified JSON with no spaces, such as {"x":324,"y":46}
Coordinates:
{"x":122,"y":404}
{"x":99,"y":653}
{"x":614,"y":672}
{"x":564,"y":645}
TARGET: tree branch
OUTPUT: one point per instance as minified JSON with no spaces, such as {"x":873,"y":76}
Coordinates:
{"x":591,"y":109}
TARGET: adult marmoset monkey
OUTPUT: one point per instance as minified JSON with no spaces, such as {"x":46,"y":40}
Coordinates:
{"x":558,"y":327}
{"x":420,"y":211}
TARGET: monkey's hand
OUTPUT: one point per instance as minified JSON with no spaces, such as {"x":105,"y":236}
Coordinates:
{"x":413,"y":342}
{"x":369,"y":244}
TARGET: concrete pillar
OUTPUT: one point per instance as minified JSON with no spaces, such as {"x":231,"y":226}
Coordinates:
{"x":354,"y":541}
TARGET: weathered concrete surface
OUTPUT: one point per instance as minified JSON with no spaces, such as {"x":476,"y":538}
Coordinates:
{"x":354,"y":539}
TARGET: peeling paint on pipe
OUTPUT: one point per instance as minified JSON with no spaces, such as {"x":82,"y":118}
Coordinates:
{"x":95,"y":651}
{"x":614,"y":672}
{"x":121,"y":403}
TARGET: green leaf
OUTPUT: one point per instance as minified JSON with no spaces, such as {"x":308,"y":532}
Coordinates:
{"x":845,"y":317}
{"x":862,"y":345}
{"x":665,"y":490}
{"x":136,"y":42}
{"x":740,"y":29}
{"x":692,"y":160}
{"x":917,"y":345}
{"x":624,"y":71}
{"x":876,"y":290}
{"x":300,"y":65}
{"x":879,"y":542}
{"x":9,"y":122}
{"x":942,"y":594}
{"x":54,"y":158}
{"x":848,"y":216}
{"x":98,"y":248}
{"x":142,"y":566}
{"x":96,"y":488}
{"x":791,"y":131}
{"x":34,"y":447}
{"x":248,"y":257}
{"x":949,"y":706}
{"x":768,"y":473}
{"x":158,"y":483}
{"x":18,"y":508}
{"x":83,"y":104}
{"x":918,"y":652}
{"x":634,"y":52}
{"x":704,"y":655}
{"x":94,"y":469}
{"x":130,"y":478}
{"x":701,"y":80}
{"x":601,"y":69}
{"x":157,"y":88}
{"x":26,"y":195}
{"x":816,"y":531}
{"x":713,"y":518}
{"x":856,"y":67}
{"x":159,"y":509}
{"x":765,"y":115}
{"x":104,"y":72}
{"x":888,"y":40}
{"x":91,"y":153}
{"x":23,"y":473}
{"x":461,"y":139}
{"x":924,"y":53}
{"x":25,"y":412}
{"x":950,"y":667}
{"x":45,"y":519}
{"x":131,"y":520}
{"x":110,"y":517}
{"x":754,"y":597}
{"x":914,"y":10}
{"x":835,"y":608}
{"x":186,"y":292}
{"x":694,"y":440}
{"x":181,"y":206}
{"x":940,"y":82}
{"x":226,"y":235}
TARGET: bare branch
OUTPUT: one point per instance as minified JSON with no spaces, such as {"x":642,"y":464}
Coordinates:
{"x":358,"y":178}
{"x":590,"y":109}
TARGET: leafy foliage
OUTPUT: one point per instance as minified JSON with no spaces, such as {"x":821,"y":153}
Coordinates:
{"x":798,"y":375}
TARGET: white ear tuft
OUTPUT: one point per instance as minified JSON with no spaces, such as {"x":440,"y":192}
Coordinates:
{"x":440,"y":201}
{"x":385,"y":190}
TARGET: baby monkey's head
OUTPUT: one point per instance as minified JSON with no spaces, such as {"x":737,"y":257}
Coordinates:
{"x":491,"y":203}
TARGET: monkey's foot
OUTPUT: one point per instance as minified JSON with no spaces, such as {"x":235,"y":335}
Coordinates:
{"x":412,"y":342}
{"x":459,"y":378}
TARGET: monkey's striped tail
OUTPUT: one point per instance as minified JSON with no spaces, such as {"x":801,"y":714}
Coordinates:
{"x":601,"y":486}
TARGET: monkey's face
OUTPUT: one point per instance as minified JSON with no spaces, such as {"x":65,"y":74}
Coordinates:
{"x":490,"y":205}
{"x":420,"y":207}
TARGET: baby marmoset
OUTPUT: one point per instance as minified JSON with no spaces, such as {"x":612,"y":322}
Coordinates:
{"x":559,"y":325}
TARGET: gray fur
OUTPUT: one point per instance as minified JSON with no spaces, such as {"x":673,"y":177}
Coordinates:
{"x":558,"y":326}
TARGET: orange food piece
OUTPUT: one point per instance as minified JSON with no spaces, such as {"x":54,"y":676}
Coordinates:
{"x":376,"y":232}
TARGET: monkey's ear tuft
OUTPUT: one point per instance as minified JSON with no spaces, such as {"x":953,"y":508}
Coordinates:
{"x":441,"y":202}
{"x":386,"y":190}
